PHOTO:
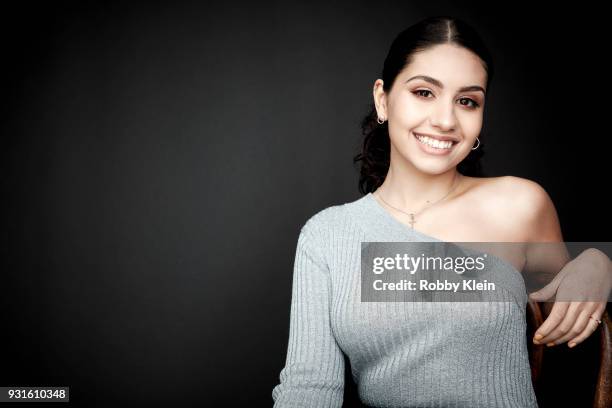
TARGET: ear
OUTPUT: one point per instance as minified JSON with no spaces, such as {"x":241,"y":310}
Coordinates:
{"x":380,"y":99}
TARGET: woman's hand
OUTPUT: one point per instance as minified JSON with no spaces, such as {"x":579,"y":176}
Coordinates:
{"x":582,"y":289}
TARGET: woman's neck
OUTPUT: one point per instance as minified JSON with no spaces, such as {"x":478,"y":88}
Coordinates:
{"x":411,"y":188}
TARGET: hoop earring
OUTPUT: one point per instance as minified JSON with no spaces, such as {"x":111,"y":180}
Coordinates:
{"x":477,"y":139}
{"x":379,"y":122}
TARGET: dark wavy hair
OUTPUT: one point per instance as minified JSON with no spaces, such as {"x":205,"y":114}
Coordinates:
{"x":375,"y":150}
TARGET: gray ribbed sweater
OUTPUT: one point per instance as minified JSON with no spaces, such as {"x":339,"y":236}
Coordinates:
{"x":402,"y":354}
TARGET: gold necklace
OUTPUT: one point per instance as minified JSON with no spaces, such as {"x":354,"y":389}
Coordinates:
{"x":414,"y":214}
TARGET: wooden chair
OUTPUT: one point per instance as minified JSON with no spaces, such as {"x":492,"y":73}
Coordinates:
{"x":536,"y":314}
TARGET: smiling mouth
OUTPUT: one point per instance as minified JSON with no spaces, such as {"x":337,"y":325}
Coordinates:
{"x":434,"y":143}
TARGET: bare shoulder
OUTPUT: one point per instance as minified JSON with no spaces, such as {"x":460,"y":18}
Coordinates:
{"x":520,"y":206}
{"x":524,"y":195}
{"x":510,"y":208}
{"x":509,"y":190}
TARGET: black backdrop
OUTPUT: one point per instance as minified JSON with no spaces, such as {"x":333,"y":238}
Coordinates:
{"x":159,"y":159}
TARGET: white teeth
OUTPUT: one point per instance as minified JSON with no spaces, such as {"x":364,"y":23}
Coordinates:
{"x":435,"y":143}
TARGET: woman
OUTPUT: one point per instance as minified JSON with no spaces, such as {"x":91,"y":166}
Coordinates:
{"x":418,"y":163}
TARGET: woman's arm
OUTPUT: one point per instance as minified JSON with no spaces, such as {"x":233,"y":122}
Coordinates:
{"x":571,"y":321}
{"x":313,"y":375}
{"x":546,"y":253}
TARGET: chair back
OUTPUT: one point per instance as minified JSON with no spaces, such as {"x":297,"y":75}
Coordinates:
{"x":536,"y":314}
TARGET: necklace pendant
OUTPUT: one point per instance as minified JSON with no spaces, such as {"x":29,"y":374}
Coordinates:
{"x":412,"y":220}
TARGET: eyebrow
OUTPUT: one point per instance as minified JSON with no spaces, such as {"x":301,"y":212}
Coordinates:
{"x":440,"y":85}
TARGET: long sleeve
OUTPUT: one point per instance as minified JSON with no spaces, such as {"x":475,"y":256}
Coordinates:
{"x":313,"y":375}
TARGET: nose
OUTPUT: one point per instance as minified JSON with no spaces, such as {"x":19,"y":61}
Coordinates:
{"x":443,"y":117}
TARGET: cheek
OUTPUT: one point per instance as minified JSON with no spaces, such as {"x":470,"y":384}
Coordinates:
{"x":406,"y":112}
{"x":471,"y":124}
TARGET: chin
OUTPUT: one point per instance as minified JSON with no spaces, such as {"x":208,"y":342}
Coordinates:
{"x":431,"y":167}
{"x":434,"y":170}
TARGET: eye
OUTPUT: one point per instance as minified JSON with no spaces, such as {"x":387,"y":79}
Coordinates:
{"x":473,"y":105}
{"x":421,"y":92}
